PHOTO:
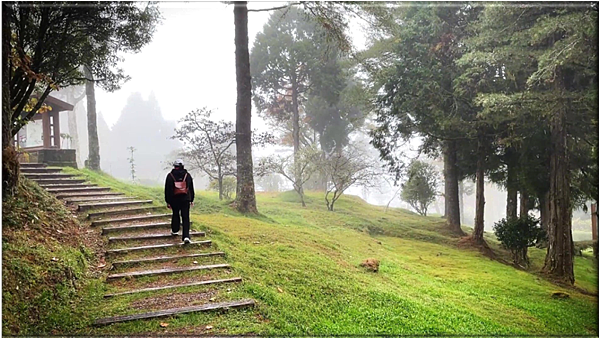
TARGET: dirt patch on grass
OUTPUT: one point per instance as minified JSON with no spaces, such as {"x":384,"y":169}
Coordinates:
{"x":184,"y":278}
{"x":174,"y":300}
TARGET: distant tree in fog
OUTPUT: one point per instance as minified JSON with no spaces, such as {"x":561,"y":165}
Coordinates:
{"x":270,"y":182}
{"x":142,"y":126}
{"x":227,"y":187}
{"x":132,"y":162}
{"x":419,"y":190}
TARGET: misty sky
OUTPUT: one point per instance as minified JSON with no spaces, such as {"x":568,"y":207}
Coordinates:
{"x":190,"y":62}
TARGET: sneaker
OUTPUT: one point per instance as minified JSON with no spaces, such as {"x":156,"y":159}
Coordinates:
{"x":186,"y":241}
{"x":174,"y":233}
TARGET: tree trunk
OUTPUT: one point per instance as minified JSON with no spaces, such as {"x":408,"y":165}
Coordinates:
{"x":461,"y":201}
{"x":523,"y":204}
{"x":301,"y":194}
{"x":245,"y":200}
{"x":511,"y":189}
{"x":544,"y":216}
{"x":296,"y":137}
{"x":6,"y":109}
{"x":451,"y":188}
{"x":220,"y":186}
{"x":544,"y":210}
{"x":479,"y":195}
{"x":10,"y":163}
{"x":72,"y":123}
{"x":94,"y":145}
{"x":559,"y":258}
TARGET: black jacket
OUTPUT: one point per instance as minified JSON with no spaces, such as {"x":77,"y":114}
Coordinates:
{"x":178,"y":173}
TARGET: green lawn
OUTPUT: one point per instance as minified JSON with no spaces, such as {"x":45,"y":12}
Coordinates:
{"x":301,"y":265}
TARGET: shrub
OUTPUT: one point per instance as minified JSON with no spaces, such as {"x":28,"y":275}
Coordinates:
{"x":517,"y":234}
{"x":229,"y":186}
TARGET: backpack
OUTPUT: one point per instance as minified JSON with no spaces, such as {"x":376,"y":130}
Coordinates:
{"x":180,"y":186}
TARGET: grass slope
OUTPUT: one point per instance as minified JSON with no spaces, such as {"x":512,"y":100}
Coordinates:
{"x":47,"y":284}
{"x":302,"y":267}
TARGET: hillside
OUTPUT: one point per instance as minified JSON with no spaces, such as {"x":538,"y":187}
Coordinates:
{"x":301,"y":265}
{"x":48,"y":258}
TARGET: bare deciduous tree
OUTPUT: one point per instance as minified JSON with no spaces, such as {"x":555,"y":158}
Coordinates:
{"x":297,"y":168}
{"x":344,"y":169}
{"x":210,"y":145}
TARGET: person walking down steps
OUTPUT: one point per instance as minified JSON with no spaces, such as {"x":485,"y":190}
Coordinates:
{"x":179,"y":195}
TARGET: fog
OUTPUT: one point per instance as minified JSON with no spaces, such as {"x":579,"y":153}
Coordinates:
{"x":190,"y":64}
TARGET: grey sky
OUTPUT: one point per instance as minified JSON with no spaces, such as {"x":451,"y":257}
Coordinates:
{"x":190,"y":62}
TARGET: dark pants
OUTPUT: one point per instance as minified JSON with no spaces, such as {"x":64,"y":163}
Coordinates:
{"x":182,"y":207}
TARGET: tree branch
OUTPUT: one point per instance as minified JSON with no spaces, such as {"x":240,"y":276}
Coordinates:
{"x":270,"y":9}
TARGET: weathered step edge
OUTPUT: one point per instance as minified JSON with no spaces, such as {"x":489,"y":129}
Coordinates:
{"x":63,"y":196}
{"x":142,"y":248}
{"x":72,"y":185}
{"x":32,"y":164}
{"x":165,"y":271}
{"x":33,"y":170}
{"x":141,"y":217}
{"x":166,"y":258}
{"x":84,"y":207}
{"x":197,"y":283}
{"x":58,"y":180}
{"x":134,"y":227}
{"x":78,"y":189}
{"x":124,"y":211}
{"x":154,"y":236}
{"x":83,"y":199}
{"x":33,"y":176}
{"x":173,"y":311}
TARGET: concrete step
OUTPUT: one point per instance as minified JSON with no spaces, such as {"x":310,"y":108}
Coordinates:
{"x":96,"y":198}
{"x":172,"y":311}
{"x":80,"y":185}
{"x":108,"y":229}
{"x":124,"y":211}
{"x":78,"y":189}
{"x":153,"y":236}
{"x":167,"y":287}
{"x":84,"y":195}
{"x":37,"y":176}
{"x":55,"y":181}
{"x":134,"y":218}
{"x":32,"y":165}
{"x":84,"y":207}
{"x":164,"y":271}
{"x":120,"y":263}
{"x":33,"y":170}
{"x":151,"y":247}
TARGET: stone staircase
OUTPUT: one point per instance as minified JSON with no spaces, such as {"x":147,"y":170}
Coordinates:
{"x":143,"y":259}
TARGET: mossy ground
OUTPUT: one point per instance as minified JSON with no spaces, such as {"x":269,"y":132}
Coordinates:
{"x":301,"y":265}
